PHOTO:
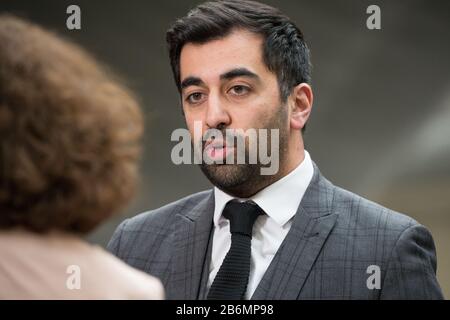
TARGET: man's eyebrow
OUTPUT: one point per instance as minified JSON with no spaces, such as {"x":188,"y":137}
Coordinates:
{"x":238,"y":72}
{"x":191,"y":81}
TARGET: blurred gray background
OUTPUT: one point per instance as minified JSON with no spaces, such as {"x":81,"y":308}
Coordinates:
{"x":381,"y":118}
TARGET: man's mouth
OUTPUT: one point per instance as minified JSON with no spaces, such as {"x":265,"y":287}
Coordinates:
{"x":217,"y":150}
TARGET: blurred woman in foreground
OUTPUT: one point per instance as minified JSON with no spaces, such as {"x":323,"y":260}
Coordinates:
{"x":69,"y":146}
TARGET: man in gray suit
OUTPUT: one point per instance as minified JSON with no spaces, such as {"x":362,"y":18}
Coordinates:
{"x":244,"y":65}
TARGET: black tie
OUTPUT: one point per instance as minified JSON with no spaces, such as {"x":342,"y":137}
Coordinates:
{"x":232,"y":278}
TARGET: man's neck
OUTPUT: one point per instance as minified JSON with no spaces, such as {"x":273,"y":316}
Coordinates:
{"x":262,"y":182}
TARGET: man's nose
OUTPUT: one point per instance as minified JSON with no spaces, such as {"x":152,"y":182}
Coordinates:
{"x":217,"y":114}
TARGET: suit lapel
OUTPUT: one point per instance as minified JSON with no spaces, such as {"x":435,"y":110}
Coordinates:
{"x":193,"y":232}
{"x":310,"y":228}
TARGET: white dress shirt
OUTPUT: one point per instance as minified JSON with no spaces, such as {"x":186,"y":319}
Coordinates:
{"x":280,"y":202}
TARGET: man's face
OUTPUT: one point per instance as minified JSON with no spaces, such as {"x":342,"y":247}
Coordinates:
{"x":226,"y":85}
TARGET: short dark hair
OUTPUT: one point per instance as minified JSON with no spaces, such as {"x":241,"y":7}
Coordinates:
{"x":284,"y":50}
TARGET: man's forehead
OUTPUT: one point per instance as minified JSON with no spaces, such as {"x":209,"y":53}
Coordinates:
{"x":239,"y":49}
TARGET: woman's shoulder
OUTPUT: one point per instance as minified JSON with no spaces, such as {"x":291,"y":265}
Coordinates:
{"x":133,"y":283}
{"x":64,"y":266}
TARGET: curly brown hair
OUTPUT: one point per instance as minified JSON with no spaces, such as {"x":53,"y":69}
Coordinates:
{"x":69,"y":134}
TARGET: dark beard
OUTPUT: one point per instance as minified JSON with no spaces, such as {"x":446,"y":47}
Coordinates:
{"x":235,"y":179}
{"x":245,"y":180}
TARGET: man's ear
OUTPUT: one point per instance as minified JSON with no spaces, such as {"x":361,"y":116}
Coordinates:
{"x":301,"y":104}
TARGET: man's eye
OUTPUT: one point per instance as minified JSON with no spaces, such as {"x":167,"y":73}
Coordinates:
{"x":239,"y":90}
{"x":194,"y":97}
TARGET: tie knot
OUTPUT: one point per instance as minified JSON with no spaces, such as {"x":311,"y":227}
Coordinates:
{"x":242,"y":216}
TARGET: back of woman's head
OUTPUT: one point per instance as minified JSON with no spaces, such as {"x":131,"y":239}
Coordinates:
{"x":69,"y":135}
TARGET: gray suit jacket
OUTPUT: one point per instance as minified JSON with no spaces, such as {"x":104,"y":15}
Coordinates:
{"x":335,"y":236}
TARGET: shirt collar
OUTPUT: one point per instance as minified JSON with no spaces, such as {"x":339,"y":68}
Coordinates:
{"x":280,"y":200}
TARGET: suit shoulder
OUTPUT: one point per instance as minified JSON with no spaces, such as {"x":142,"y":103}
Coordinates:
{"x":360,"y":212}
{"x":163,"y":216}
{"x":151,"y":227}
